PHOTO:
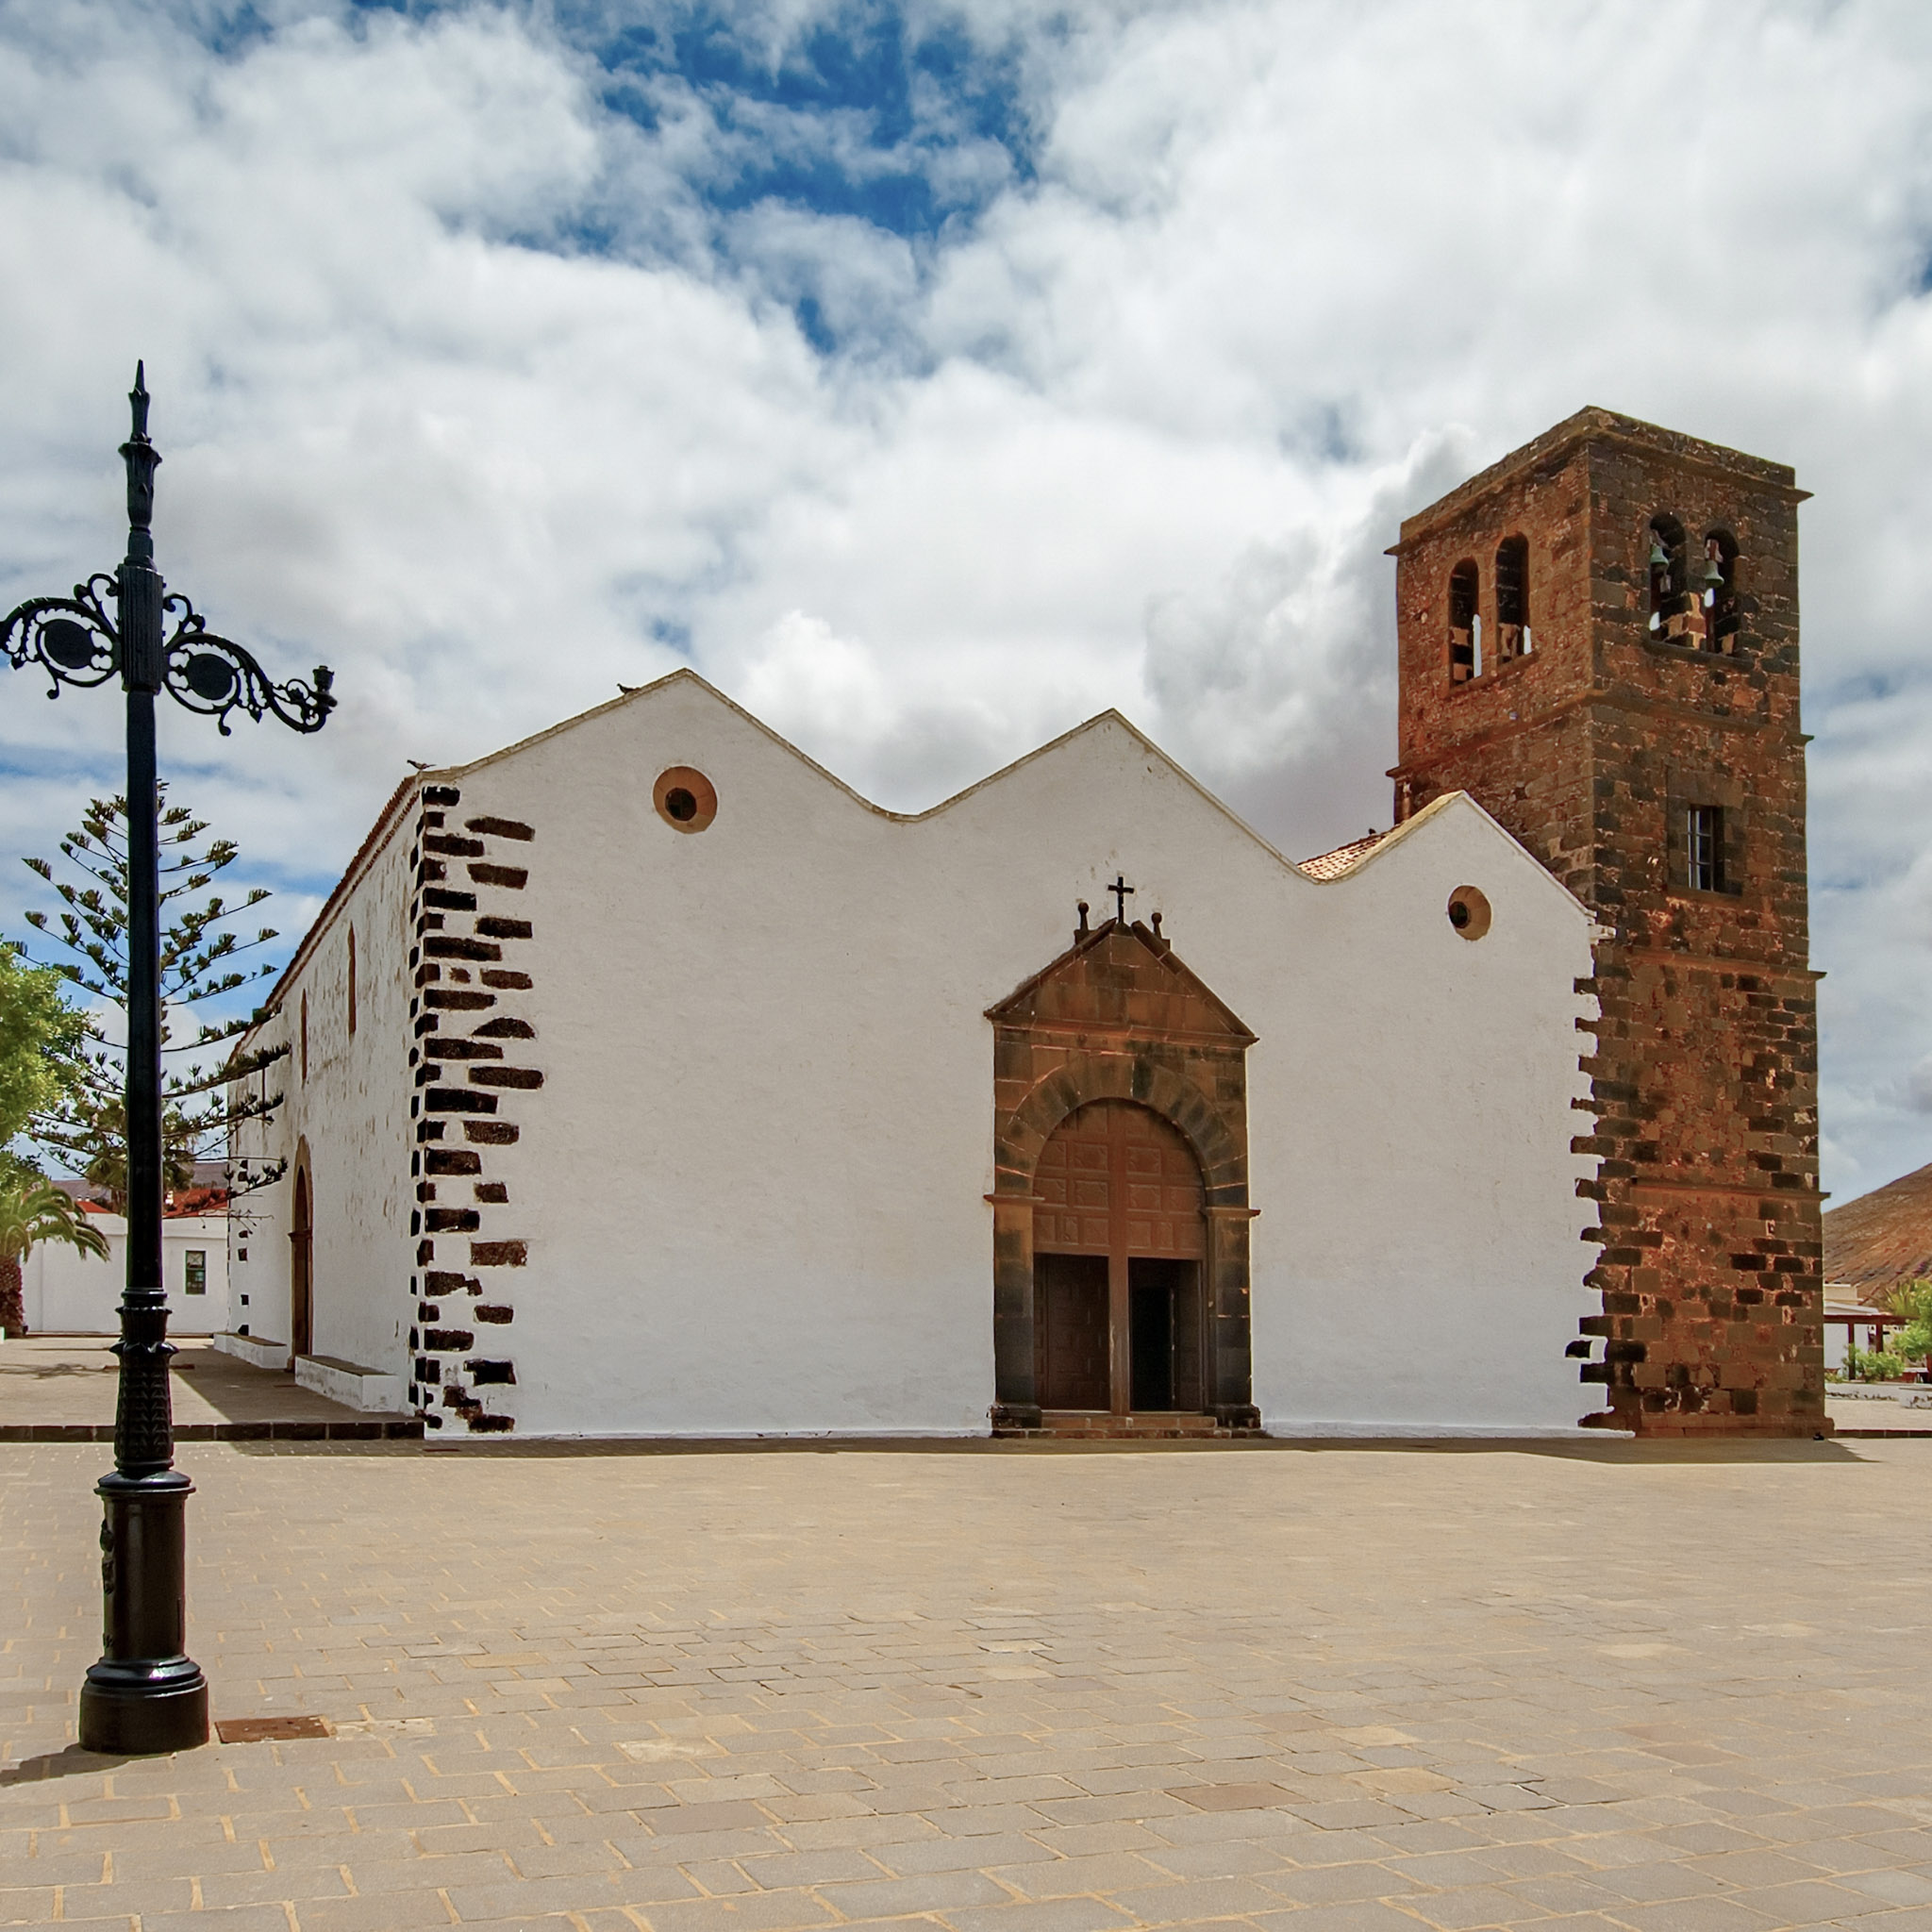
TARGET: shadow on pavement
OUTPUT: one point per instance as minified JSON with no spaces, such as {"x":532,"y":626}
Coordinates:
{"x":71,"y":1762}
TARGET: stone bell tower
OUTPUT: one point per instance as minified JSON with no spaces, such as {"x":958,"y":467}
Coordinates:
{"x":1599,"y":641}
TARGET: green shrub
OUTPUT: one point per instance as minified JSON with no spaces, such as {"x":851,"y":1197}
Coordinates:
{"x":1875,"y":1364}
{"x":1913,"y":1300}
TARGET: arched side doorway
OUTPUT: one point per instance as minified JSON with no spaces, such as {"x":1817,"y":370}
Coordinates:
{"x":1120,"y":1199}
{"x":302,"y":1266}
{"x":1119,"y":1240}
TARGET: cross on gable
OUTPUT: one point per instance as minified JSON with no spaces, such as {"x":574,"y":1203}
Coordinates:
{"x":1121,"y":890}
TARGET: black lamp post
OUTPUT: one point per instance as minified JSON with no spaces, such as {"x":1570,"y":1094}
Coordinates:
{"x":146,"y":1694}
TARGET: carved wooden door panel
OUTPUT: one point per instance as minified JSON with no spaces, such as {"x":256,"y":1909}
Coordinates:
{"x":1116,"y":1183}
{"x":1071,"y":1322}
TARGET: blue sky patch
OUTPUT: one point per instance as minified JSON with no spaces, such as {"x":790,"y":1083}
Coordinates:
{"x":858,"y":114}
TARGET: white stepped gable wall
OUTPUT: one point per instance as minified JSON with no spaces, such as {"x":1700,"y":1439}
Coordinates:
{"x":755,"y":1176}
{"x":748,"y":1194}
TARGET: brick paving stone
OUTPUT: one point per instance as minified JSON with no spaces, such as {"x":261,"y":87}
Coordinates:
{"x":1564,"y":1895}
{"x":1194,"y":1901}
{"x":1811,"y":1904}
{"x":1696,"y":1915}
{"x":1324,"y":1884}
{"x":403,"y":1911}
{"x":1225,"y":1859}
{"x":1034,"y":1915}
{"x":1365,"y":1916}
{"x":924,"y":1891}
{"x":1468,"y":1906}
{"x":1896,"y":1888}
{"x":1648,"y":1884}
{"x":765,"y":1911}
{"x":241,"y":1919}
{"x":1574,"y":1922}
{"x":947,"y":1853}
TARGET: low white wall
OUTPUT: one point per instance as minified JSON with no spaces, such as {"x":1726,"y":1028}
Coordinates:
{"x":253,"y":1350}
{"x":352,"y":1385}
{"x":67,"y":1293}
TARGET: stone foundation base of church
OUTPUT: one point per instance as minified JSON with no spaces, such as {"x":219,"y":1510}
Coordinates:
{"x":1667,"y":1424}
{"x":1091,"y":1426}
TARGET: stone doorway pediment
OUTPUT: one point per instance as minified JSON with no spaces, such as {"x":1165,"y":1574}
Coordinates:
{"x":1122,"y":978}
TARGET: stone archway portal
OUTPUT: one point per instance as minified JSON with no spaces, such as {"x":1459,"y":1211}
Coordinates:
{"x":1120,"y":1197}
{"x":1120,"y":1242}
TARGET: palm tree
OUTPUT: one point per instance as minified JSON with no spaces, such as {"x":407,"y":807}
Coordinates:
{"x":33,"y":1209}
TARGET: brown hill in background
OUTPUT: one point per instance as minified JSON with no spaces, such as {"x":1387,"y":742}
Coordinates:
{"x":1880,"y":1240}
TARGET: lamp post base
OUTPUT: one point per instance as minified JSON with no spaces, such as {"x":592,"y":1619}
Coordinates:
{"x":145,"y":1695}
{"x":143,"y":1710}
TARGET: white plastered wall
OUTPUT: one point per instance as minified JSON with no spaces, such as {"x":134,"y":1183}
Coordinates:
{"x":752,"y":1182}
{"x":350,"y":1115}
{"x":1424,"y":1269}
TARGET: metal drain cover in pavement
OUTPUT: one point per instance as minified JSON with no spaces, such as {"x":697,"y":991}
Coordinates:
{"x":264,"y":1730}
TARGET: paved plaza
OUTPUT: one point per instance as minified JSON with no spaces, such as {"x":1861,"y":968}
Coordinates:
{"x":999,"y":1687}
{"x":63,"y":1387}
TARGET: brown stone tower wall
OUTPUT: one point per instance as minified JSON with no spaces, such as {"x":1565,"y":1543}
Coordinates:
{"x":1592,"y":749}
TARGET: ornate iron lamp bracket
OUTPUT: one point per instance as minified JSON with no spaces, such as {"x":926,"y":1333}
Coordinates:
{"x":76,"y":641}
{"x":214,"y":675}
{"x":71,"y":639}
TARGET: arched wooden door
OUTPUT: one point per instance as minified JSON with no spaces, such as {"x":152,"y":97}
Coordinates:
{"x":1120,"y":1236}
{"x":301,"y":1269}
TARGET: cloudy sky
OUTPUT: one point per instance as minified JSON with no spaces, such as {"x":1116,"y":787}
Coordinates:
{"x":931,"y":376}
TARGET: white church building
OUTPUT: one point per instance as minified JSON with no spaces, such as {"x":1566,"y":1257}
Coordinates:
{"x":646,"y":1080}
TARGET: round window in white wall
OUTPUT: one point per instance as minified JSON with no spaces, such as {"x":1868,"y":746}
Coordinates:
{"x":1469,"y":912}
{"x":686,"y":800}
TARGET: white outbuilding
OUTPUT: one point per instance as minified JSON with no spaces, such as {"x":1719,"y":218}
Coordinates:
{"x":66,"y":1291}
{"x":646,"y":1080}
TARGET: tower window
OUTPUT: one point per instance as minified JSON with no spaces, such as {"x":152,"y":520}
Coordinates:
{"x":1465,"y":623}
{"x":351,"y":981}
{"x":1667,"y":586}
{"x":305,"y":1035}
{"x":1513,"y":599}
{"x":1704,"y":845}
{"x":1719,"y":591}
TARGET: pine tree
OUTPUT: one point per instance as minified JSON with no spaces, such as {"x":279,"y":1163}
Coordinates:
{"x":203,"y":958}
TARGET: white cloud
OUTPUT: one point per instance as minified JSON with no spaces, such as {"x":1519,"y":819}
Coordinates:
{"x":473,"y":386}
